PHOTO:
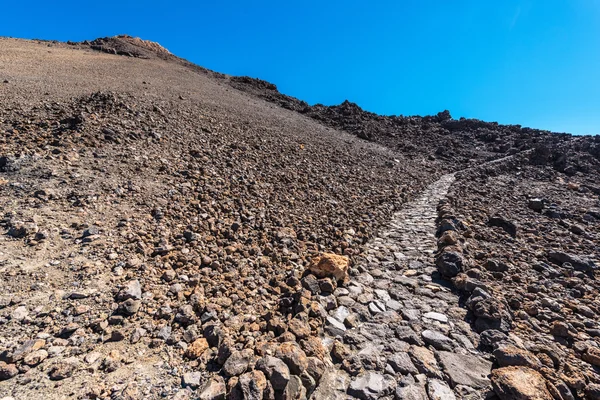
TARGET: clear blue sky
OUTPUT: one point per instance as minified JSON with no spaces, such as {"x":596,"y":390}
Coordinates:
{"x":531,"y":62}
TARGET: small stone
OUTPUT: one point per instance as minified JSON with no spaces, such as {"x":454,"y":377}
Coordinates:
{"x":62,"y":369}
{"x":313,"y":347}
{"x":425,"y":361}
{"x":401,"y":363}
{"x":371,"y":386}
{"x":164,"y":333}
{"x":299,"y":328}
{"x":275,"y":370}
{"x":132,"y":290}
{"x":437,"y":340}
{"x":508,"y":355}
{"x":253,"y":384}
{"x":130,"y":307}
{"x":197,"y":348}
{"x":213,"y":389}
{"x":35,"y":357}
{"x":411,"y":392}
{"x":91,"y":358}
{"x":449,"y":263}
{"x":19,"y":313}
{"x":334,"y":327}
{"x":295,"y":389}
{"x":137,"y":335}
{"x":536,"y":204}
{"x":332,"y":385}
{"x":592,"y":356}
{"x":238,"y":362}
{"x":436,"y":317}
{"x":7,"y":371}
{"x":293,"y":356}
{"x":376,"y":307}
{"x":191,"y":379}
{"x":439,"y":390}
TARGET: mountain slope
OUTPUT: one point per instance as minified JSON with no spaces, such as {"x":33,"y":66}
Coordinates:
{"x":160,"y":222}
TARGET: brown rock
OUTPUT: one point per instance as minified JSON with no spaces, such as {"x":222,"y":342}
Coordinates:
{"x":330,"y":265}
{"x":252,"y":385}
{"x":62,"y":369}
{"x":448,"y":238}
{"x":35,"y":357}
{"x":293,"y":356}
{"x":7,"y":371}
{"x":197,"y":348}
{"x":508,"y":355}
{"x":299,"y":328}
{"x":425,"y":361}
{"x":519,"y":383}
{"x":592,"y":356}
{"x":313,"y":347}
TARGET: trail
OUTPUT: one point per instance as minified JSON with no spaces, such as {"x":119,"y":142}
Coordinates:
{"x":414,"y":343}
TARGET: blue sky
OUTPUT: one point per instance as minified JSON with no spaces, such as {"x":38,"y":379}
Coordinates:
{"x":529,"y":62}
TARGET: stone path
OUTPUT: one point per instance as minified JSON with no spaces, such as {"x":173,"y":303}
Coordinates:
{"x":398,"y":332}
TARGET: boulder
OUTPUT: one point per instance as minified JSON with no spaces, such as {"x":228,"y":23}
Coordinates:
{"x":330,"y":265}
{"x":449,"y":263}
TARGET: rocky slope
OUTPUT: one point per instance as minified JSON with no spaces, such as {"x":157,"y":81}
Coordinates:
{"x":171,"y":232}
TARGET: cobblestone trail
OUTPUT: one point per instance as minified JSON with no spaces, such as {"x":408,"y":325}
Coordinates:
{"x":414,"y":343}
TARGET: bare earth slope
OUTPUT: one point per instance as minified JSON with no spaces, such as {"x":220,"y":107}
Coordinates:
{"x":171,"y":232}
{"x":119,"y":171}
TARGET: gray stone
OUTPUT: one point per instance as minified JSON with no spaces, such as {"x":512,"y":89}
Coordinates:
{"x":237,"y":363}
{"x":402,"y":363}
{"x":295,"y":389}
{"x":437,"y":340}
{"x":334,"y":327}
{"x":410,"y":314}
{"x":465,"y":369}
{"x":341,"y":313}
{"x":407,"y":334}
{"x":333,"y":385}
{"x":393,"y":305}
{"x":439,"y":390}
{"x":411,"y":392}
{"x":213,"y":389}
{"x":371,"y":386}
{"x":132,"y":290}
{"x":19,"y":313}
{"x":436,"y":317}
{"x":449,"y":263}
{"x":376,"y":307}
{"x":191,"y":379}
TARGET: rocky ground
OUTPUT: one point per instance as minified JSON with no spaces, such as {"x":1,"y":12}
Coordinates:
{"x":170,"y":232}
{"x":527,"y":238}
